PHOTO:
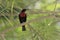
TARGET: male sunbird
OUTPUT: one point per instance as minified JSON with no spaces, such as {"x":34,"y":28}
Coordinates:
{"x":23,"y":18}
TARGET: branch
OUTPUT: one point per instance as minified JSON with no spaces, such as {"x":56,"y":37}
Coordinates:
{"x":38,"y":12}
{"x":44,"y":12}
{"x":17,"y":25}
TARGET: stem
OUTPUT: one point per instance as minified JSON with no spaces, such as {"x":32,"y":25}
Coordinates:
{"x":12,"y":9}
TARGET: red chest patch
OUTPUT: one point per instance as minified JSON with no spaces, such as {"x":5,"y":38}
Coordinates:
{"x":22,"y":14}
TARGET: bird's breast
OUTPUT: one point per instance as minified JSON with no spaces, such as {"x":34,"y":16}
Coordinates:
{"x":22,"y":15}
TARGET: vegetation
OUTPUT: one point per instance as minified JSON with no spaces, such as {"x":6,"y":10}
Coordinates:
{"x":42,"y":21}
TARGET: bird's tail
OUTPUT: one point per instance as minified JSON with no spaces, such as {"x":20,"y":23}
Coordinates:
{"x":23,"y":28}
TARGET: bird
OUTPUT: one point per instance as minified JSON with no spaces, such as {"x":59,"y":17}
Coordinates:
{"x":23,"y":18}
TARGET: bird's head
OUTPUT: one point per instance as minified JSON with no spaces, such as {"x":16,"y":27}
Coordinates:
{"x":23,"y":10}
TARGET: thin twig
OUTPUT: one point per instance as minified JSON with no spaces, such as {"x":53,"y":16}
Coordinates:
{"x":36,"y":32}
{"x":3,"y":36}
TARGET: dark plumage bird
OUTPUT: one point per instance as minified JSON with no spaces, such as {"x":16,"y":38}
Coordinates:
{"x":22,"y":18}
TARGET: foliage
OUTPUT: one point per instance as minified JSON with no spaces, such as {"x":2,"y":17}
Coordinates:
{"x":39,"y":26}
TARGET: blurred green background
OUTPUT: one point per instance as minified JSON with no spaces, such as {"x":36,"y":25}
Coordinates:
{"x":40,"y":25}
